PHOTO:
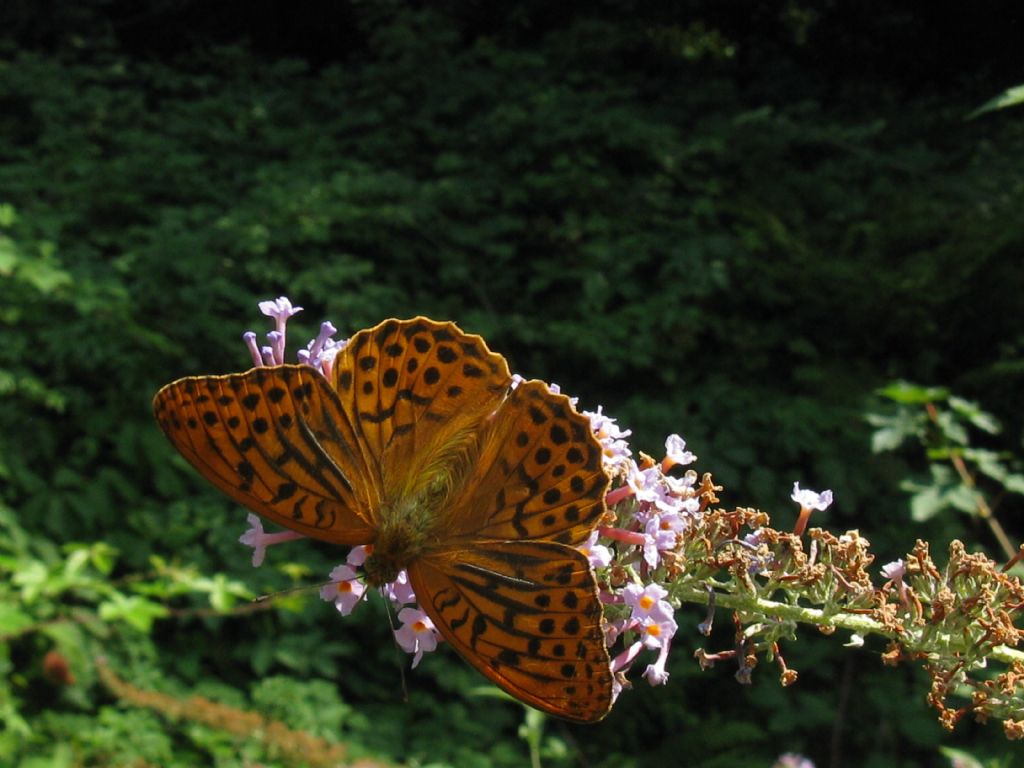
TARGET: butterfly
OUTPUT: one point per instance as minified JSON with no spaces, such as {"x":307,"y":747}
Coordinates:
{"x":419,"y":447}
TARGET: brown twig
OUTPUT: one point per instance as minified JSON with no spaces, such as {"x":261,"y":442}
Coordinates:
{"x":984,"y":510}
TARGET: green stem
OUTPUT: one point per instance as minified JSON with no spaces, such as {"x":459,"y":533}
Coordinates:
{"x":861,"y":624}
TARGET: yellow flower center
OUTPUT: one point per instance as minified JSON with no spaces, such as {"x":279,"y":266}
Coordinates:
{"x":646,"y":602}
{"x":654,"y":630}
{"x":420,"y":626}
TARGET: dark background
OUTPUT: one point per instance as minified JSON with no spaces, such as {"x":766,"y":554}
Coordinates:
{"x":735,"y":221}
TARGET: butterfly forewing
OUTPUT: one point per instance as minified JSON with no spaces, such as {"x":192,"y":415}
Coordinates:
{"x":416,"y":392}
{"x":276,"y":440}
{"x":527,"y":615}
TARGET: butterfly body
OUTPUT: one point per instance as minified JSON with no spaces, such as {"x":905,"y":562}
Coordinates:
{"x":403,"y":536}
{"x":419,"y":447}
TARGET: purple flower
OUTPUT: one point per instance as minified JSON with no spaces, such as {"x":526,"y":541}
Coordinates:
{"x":894,"y":570}
{"x":656,"y":674}
{"x":657,"y":634}
{"x":658,"y":538}
{"x":254,"y":349}
{"x":554,"y":388}
{"x":256,"y":538}
{"x":345,"y":589}
{"x":648,"y":602}
{"x":314,"y":351}
{"x":604,"y":426}
{"x":624,"y":660}
{"x":615,"y":450}
{"x":791,"y":760}
{"x":399,"y":591}
{"x":356,"y":556}
{"x":676,"y":453}
{"x":276,"y":339}
{"x":280,"y":309}
{"x":417,"y":634}
{"x":598,"y":554}
{"x":646,"y":484}
{"x":615,"y":454}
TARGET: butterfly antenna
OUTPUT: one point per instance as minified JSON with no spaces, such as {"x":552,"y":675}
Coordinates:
{"x":399,"y":657}
{"x":290,"y":590}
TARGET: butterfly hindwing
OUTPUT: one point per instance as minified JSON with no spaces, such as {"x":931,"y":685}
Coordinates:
{"x":539,"y":474}
{"x":527,"y":615}
{"x":276,"y":440}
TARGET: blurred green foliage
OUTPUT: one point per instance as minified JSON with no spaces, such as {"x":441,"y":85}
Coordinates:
{"x":710,"y":222}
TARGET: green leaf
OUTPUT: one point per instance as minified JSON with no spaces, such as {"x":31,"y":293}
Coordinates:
{"x":893,"y":430}
{"x":1014,"y":482}
{"x":13,"y":620}
{"x":1011,"y":97}
{"x":961,"y":759}
{"x":32,"y":577}
{"x":963,"y":498}
{"x":134,"y":610}
{"x":925,"y":504}
{"x":951,"y":428}
{"x":8,"y":216}
{"x":44,"y":277}
{"x":905,"y":393}
{"x":969,"y":410}
{"x":988,"y":463}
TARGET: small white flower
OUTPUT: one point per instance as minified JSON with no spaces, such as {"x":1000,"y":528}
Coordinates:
{"x":676,"y":453}
{"x":811,"y":499}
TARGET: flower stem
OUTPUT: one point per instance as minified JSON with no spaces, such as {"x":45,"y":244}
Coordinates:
{"x":854,"y":622}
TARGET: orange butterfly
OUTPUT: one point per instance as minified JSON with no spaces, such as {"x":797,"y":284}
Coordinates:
{"x":418,"y":447}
